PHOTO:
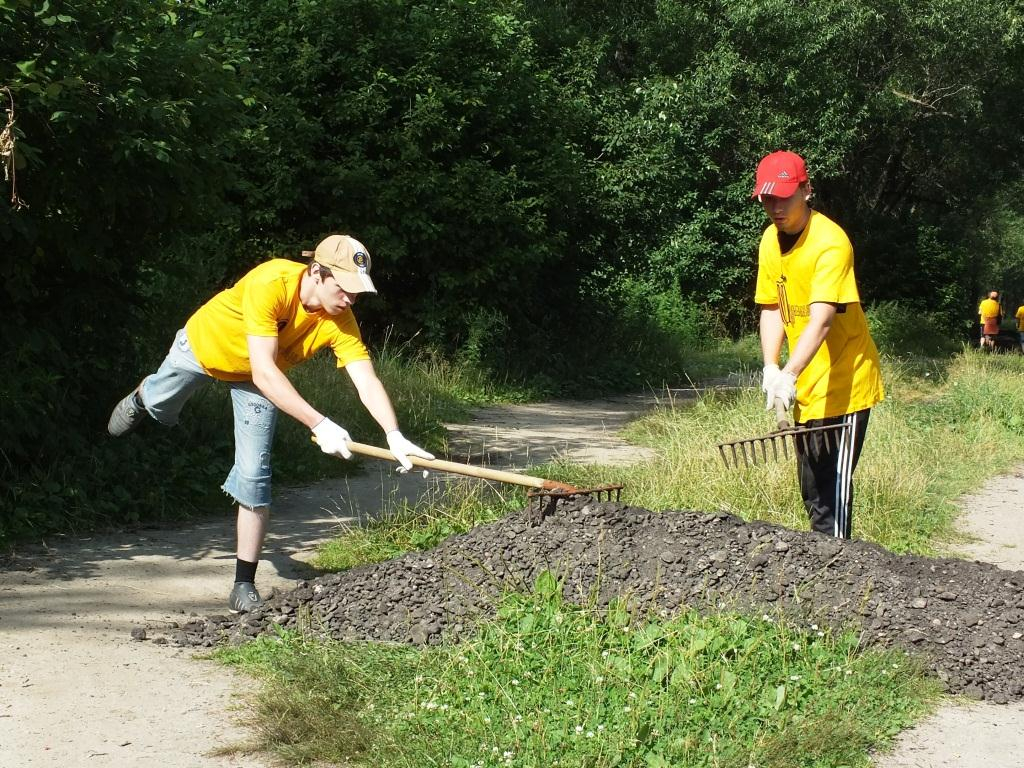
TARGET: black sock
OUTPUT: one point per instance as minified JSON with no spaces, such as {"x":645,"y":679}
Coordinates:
{"x":245,"y":571}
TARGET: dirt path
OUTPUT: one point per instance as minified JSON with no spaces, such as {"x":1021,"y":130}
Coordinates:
{"x":75,"y":689}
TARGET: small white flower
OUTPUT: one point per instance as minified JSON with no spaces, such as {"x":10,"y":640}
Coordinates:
{"x":515,"y":682}
{"x":507,"y":755}
{"x":814,"y":626}
{"x":599,"y":679}
{"x":579,"y":729}
{"x":796,"y":646}
{"x":568,"y":702}
{"x":794,"y":677}
{"x":627,"y":708}
{"x":604,"y":654}
{"x":487,"y":720}
{"x":590,"y":734}
{"x":820,"y":633}
{"x":632,"y":695}
{"x":693,"y":701}
{"x":718,"y":686}
{"x":600,"y":727}
{"x":419,"y":678}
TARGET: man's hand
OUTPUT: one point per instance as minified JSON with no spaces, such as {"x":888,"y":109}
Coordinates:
{"x":332,"y":439}
{"x":780,"y":387}
{"x":767,"y":379}
{"x":403,"y":449}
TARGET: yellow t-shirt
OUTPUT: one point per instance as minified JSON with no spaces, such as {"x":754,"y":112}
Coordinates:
{"x":844,"y":375}
{"x":1020,"y":317}
{"x":988,"y":308}
{"x":265,"y":302}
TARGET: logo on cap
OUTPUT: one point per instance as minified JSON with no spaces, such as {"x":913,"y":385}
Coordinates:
{"x":783,"y":174}
{"x":361,"y":260}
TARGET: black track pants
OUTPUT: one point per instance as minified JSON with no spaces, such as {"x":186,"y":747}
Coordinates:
{"x":825,"y":470}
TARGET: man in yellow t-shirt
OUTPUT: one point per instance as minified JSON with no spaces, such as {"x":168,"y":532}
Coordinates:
{"x":279,"y":314}
{"x":808,"y":296}
{"x":990,"y":316}
{"x":1020,"y":325}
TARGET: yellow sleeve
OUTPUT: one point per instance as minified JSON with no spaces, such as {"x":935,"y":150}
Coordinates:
{"x":833,"y":279}
{"x":348,"y":343}
{"x":263,"y":302}
{"x":766,"y":291}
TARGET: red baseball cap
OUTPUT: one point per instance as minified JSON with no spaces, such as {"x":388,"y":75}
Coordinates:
{"x":779,"y":174}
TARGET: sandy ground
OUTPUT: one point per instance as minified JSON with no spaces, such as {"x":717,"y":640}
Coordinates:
{"x":76,"y":690}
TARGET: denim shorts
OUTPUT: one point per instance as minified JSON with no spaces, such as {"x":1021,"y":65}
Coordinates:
{"x":165,"y":392}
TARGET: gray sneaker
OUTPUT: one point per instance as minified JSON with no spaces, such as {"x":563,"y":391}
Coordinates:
{"x":127,"y":415}
{"x":244,"y":598}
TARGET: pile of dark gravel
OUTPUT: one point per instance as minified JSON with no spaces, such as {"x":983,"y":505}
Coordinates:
{"x":965,"y":618}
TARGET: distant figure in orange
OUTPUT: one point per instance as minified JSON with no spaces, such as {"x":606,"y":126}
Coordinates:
{"x":990,"y":315}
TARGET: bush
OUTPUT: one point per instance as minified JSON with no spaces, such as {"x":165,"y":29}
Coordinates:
{"x":901,"y":328}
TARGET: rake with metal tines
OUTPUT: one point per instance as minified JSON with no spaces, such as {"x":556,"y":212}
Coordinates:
{"x":786,"y":438}
{"x":543,"y":495}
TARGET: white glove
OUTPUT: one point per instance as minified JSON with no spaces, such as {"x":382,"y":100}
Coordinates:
{"x":781,"y":387}
{"x":403,"y":449}
{"x":767,"y":378}
{"x":332,"y":439}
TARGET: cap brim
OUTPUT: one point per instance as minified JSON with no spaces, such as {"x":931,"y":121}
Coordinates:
{"x":776,"y":188}
{"x":355,"y":282}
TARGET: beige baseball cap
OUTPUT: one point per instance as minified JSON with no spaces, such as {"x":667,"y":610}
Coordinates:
{"x":349,"y":262}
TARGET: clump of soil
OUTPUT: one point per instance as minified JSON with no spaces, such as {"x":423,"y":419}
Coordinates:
{"x":965,"y":618}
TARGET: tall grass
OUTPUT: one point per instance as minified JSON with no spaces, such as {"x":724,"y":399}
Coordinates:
{"x":938,"y":434}
{"x":551,"y":684}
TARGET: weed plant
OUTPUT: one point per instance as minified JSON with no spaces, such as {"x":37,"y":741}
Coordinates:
{"x":548,"y":683}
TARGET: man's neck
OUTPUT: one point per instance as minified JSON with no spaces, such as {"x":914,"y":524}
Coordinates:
{"x":307,"y":294}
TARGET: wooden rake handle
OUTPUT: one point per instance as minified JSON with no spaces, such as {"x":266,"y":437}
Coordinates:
{"x":781,"y":414}
{"x":469,"y":470}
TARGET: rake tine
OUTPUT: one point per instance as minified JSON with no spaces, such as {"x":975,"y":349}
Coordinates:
{"x":721,"y":452}
{"x":785,"y":448}
{"x":735,"y":460}
{"x":775,"y":449}
{"x":764,"y":451}
{"x":743,"y":450}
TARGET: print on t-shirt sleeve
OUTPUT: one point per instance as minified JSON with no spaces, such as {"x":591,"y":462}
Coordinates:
{"x":261,"y":305}
{"x":833,"y":279}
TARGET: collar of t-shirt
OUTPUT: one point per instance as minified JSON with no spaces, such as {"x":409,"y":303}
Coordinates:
{"x":787,"y":241}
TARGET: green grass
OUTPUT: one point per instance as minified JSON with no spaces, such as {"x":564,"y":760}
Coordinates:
{"x":551,"y":684}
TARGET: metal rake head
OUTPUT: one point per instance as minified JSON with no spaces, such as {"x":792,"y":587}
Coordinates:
{"x":542,"y":502}
{"x":801,"y":440}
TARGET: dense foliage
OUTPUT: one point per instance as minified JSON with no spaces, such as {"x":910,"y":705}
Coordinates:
{"x":546,"y":186}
